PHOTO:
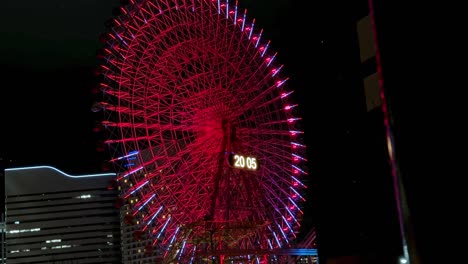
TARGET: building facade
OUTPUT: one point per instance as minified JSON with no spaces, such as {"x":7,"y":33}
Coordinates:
{"x":2,"y":211}
{"x":53,"y":217}
{"x":137,"y":248}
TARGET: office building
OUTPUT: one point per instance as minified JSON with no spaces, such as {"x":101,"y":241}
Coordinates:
{"x":53,"y":217}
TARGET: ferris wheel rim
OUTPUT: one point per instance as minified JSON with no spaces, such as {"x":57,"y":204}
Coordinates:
{"x":131,"y":141}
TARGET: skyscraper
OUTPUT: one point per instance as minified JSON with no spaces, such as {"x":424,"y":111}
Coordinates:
{"x":53,"y":217}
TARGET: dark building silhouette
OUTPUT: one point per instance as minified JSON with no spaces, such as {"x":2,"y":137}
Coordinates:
{"x":352,"y":189}
{"x":406,"y":69}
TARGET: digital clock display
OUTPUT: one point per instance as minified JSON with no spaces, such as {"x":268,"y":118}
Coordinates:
{"x":243,"y":162}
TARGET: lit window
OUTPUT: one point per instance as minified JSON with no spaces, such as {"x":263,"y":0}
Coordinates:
{"x":84,"y":196}
{"x":24,"y":230}
{"x":54,"y":241}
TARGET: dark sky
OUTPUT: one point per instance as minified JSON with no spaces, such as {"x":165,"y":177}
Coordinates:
{"x":47,"y":53}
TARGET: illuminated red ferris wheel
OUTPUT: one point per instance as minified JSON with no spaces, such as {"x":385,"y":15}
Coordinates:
{"x":203,"y":130}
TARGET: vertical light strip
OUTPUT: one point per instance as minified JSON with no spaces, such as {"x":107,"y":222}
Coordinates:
{"x":243,"y":20}
{"x":252,"y":28}
{"x":235,"y":14}
{"x":227,"y":9}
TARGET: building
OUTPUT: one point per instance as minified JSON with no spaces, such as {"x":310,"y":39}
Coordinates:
{"x":367,"y":56}
{"x":2,"y":211}
{"x":136,"y":248}
{"x":53,"y":217}
{"x":406,"y":111}
{"x":352,"y":189}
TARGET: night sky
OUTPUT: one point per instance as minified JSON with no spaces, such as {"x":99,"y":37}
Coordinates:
{"x":47,"y":56}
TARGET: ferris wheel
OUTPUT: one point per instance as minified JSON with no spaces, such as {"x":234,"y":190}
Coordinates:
{"x":202,"y":129}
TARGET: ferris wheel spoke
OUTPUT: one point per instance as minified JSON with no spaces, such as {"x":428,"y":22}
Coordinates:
{"x":275,"y":132}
